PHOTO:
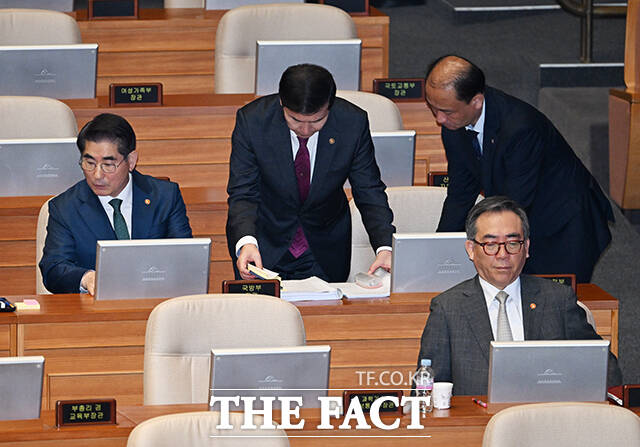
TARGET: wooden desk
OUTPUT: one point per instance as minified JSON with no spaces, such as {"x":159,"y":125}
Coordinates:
{"x":96,"y":348}
{"x":462,"y":425}
{"x":176,"y":47}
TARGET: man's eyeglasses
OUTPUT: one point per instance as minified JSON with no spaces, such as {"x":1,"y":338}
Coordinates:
{"x":90,"y":165}
{"x":492,"y":248}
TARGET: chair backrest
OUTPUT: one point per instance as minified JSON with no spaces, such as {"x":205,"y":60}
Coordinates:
{"x":415,"y":209}
{"x":196,"y":429}
{"x":37,"y":27}
{"x":41,"y":235}
{"x":384,"y":114}
{"x":563,"y":424}
{"x":35,"y":117}
{"x":182,"y":331}
{"x":240,"y":28}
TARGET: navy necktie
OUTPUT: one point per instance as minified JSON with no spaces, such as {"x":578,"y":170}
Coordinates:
{"x":473,"y":136}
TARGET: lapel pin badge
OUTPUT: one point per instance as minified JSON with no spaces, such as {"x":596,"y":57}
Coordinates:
{"x":532,"y":306}
{"x":332,"y":141}
{"x":147,"y":201}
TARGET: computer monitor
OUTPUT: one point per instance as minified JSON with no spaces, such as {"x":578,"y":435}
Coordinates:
{"x":340,"y":57}
{"x":270,"y":372}
{"x":152,"y":268}
{"x":429,"y":262}
{"x":395,"y":155}
{"x":52,"y":5}
{"x":38,"y":167}
{"x":21,"y":387}
{"x":56,"y":71}
{"x":548,"y":371}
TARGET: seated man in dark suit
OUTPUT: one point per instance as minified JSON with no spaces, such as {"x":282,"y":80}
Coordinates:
{"x":291,"y":154}
{"x":113,"y":202}
{"x":499,"y":303}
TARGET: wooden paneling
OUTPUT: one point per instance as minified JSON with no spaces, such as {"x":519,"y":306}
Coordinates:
{"x":177,"y":47}
{"x":85,"y":334}
{"x":5,"y":339}
{"x":125,"y":387}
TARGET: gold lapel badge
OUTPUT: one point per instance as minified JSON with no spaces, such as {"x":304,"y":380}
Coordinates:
{"x":332,"y":141}
{"x":147,"y":201}
{"x":532,"y":306}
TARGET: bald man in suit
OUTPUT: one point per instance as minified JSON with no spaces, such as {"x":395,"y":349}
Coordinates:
{"x":466,"y":318}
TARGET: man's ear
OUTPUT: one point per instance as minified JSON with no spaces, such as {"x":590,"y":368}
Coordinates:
{"x":132,"y":159}
{"x":526,"y":247}
{"x":468,"y":246}
{"x":477,"y":101}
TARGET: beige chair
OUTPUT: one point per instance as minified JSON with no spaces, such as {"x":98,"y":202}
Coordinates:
{"x":37,"y":27}
{"x":41,"y":235}
{"x":415,"y":209}
{"x":563,"y":424}
{"x":198,"y":429}
{"x":182,"y":331}
{"x":35,"y":117}
{"x":384,"y":115}
{"x":240,"y":28}
{"x":183,"y":4}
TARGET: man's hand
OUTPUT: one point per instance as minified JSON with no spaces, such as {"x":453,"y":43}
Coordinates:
{"x":249,"y":253}
{"x":383,"y":260}
{"x":88,"y":282}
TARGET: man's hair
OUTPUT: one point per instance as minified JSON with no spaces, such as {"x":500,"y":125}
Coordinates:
{"x":306,"y":88}
{"x":108,"y":127}
{"x":495,"y":204}
{"x":467,"y":83}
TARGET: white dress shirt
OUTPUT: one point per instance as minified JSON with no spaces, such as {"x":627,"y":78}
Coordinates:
{"x":514,"y":307}
{"x":126,"y":207}
{"x":479,"y":126}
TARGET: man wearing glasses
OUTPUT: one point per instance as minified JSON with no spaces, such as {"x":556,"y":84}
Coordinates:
{"x":113,"y":202}
{"x":499,"y":303}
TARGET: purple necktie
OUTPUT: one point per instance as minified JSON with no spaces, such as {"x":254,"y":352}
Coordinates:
{"x":302,"y":164}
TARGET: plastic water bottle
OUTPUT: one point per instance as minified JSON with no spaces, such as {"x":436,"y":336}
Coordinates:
{"x":424,"y":385}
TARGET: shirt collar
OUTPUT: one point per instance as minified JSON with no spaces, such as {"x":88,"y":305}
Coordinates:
{"x":490,"y":291}
{"x":126,"y":195}
{"x":479,"y":125}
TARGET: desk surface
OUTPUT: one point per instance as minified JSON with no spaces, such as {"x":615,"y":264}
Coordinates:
{"x":79,"y":307}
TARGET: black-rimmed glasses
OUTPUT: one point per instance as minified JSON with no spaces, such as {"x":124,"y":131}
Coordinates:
{"x":492,"y":248}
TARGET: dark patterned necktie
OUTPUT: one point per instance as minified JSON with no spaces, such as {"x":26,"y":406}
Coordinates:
{"x":302,"y":165}
{"x":473,"y":135}
{"x":119,"y":224}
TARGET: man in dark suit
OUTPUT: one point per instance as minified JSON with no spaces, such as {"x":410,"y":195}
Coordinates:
{"x":113,"y":202}
{"x":291,"y":154}
{"x":499,"y":303}
{"x":500,"y":145}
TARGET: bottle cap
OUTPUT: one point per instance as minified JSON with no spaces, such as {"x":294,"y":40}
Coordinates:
{"x":425,"y":362}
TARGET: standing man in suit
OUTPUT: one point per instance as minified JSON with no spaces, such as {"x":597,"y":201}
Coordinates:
{"x":466,"y":318}
{"x":290,"y":156}
{"x":500,"y":145}
{"x":114,"y":201}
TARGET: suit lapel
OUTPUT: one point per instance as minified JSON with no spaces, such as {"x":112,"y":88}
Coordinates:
{"x":278,"y":138}
{"x":532,"y":308}
{"x":142,"y":208}
{"x":93,"y":214}
{"x":491,"y":127}
{"x":475,"y":311}
{"x":328,"y":139}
